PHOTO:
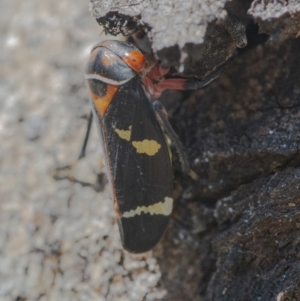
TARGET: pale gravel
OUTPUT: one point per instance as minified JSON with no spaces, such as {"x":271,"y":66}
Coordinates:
{"x":172,"y":22}
{"x":58,"y":240}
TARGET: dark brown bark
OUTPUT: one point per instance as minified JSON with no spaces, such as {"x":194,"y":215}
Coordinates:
{"x":242,"y":133}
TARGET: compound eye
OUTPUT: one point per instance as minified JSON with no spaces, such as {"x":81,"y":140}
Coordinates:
{"x":135,"y":60}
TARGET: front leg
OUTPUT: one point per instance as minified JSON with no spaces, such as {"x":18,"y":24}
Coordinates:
{"x":155,"y":89}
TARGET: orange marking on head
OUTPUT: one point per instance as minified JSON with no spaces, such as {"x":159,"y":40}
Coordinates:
{"x":102,"y":102}
{"x":135,"y":60}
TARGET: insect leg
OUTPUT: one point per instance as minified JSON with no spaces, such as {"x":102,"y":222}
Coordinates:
{"x":182,"y":83}
{"x":86,"y":138}
{"x":161,"y":115}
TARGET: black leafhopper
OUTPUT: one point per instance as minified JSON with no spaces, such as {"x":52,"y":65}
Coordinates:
{"x":124,"y":86}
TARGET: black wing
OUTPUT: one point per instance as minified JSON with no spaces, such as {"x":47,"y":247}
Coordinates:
{"x":139,"y":164}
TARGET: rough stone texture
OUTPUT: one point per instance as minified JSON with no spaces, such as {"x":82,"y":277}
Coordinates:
{"x":281,"y":19}
{"x":260,"y":251}
{"x":236,"y":230}
{"x":234,"y":233}
{"x":171,"y":22}
{"x":246,"y":123}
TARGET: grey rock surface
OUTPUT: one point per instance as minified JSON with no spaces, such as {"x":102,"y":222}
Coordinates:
{"x":171,"y":22}
{"x":58,"y":239}
{"x":278,"y":18}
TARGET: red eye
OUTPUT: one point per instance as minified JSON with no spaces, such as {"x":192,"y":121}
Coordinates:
{"x":135,"y":60}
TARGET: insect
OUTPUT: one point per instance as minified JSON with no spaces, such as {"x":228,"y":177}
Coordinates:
{"x":124,"y":86}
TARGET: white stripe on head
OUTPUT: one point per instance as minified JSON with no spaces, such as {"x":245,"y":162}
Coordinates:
{"x":107,"y":80}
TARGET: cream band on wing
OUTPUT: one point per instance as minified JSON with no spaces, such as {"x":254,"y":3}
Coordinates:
{"x":160,"y":208}
{"x":124,"y":134}
{"x":148,"y":147}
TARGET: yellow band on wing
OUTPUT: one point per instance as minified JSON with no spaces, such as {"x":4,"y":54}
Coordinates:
{"x":124,"y":134}
{"x":148,"y":147}
{"x":160,"y":208}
